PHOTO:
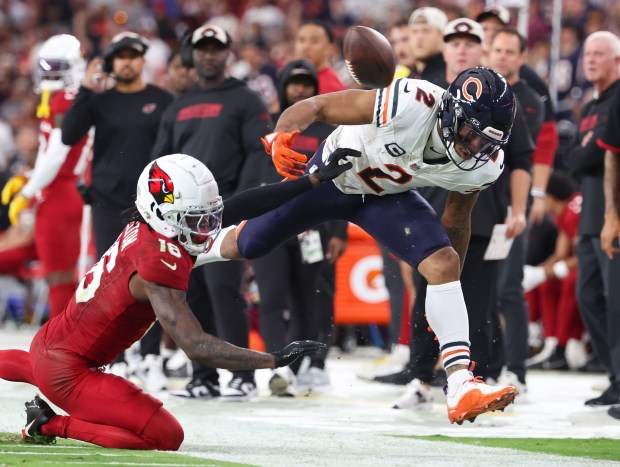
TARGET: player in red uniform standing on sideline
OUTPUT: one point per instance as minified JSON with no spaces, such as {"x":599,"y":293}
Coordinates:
{"x":51,"y":187}
{"x":144,"y":276}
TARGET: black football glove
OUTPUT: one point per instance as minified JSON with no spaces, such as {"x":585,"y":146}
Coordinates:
{"x":296,"y":350}
{"x":332,"y":167}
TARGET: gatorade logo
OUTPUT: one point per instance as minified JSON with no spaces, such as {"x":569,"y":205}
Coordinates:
{"x":366,"y":280}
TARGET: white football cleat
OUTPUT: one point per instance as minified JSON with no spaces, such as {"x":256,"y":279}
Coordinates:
{"x":474,"y":397}
{"x":417,"y":396}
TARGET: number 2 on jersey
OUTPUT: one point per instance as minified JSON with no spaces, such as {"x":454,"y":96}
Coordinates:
{"x":370,"y":173}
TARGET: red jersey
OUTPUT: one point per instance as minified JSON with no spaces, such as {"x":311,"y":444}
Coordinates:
{"x":568,"y":221}
{"x":60,"y":101}
{"x":102,"y":319}
{"x":329,"y":81}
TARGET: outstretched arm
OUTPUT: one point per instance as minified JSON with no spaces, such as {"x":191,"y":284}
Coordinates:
{"x":351,"y":107}
{"x":175,"y":316}
{"x":177,"y":319}
{"x":256,"y":201}
{"x":457,"y":220}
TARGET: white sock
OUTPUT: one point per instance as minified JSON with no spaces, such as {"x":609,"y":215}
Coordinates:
{"x":447,"y":315}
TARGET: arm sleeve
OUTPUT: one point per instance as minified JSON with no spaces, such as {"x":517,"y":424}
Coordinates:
{"x":520,"y":147}
{"x":256,"y":124}
{"x":164,"y":142}
{"x":546,"y":143}
{"x":48,"y":164}
{"x":610,"y":139}
{"x":79,"y":118}
{"x":256,"y":201}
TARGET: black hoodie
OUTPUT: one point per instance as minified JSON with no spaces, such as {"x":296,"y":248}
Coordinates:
{"x":222,"y":127}
{"x":309,"y":139}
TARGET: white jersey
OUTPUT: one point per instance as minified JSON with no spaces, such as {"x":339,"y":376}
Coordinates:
{"x":393,"y":147}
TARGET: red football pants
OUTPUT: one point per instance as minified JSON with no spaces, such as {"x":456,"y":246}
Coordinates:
{"x":554,"y":302}
{"x":57,"y":238}
{"x":103,"y":409}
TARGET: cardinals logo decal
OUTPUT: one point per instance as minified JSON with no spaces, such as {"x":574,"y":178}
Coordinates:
{"x":160,"y":185}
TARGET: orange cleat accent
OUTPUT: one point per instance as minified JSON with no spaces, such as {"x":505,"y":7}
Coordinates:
{"x":473,"y":397}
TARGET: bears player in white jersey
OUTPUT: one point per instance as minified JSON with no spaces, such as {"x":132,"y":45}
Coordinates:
{"x":51,"y":187}
{"x":410,"y":134}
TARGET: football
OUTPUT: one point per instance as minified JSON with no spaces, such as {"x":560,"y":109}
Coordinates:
{"x":369,"y":57}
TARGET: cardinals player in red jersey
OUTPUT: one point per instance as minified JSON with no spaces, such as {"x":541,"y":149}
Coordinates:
{"x":142,"y":277}
{"x":51,"y":187}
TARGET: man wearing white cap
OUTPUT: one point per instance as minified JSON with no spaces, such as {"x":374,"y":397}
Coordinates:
{"x":426,"y":43}
{"x":220,"y":122}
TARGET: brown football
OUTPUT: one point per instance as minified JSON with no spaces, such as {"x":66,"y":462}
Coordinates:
{"x":369,"y":57}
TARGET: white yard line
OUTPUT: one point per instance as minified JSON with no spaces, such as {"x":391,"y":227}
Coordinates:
{"x":352,"y":424}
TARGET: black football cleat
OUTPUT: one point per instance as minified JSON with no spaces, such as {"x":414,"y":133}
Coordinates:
{"x":38,"y":413}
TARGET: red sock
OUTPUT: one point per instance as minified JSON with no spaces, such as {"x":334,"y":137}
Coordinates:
{"x":59,"y":296}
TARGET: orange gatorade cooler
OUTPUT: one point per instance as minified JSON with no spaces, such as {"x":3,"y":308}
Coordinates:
{"x":361,"y":296}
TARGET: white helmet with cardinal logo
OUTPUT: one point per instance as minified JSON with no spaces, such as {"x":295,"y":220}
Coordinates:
{"x":178,"y":197}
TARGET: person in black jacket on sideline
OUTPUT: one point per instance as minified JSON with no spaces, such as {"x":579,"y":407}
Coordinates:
{"x":126,"y":118}
{"x":220,"y":121}
{"x":288,"y":276}
{"x":597,"y":275}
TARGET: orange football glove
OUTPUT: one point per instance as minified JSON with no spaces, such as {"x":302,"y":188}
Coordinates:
{"x":288,"y":163}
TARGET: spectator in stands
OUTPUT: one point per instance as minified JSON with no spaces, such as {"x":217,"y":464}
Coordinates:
{"x":220,"y":122}
{"x":399,"y":35}
{"x":551,"y":284}
{"x":427,"y":25}
{"x":314,"y":42}
{"x":597,"y":277}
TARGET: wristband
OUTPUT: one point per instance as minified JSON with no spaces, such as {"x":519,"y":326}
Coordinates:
{"x":537,"y":193}
{"x":560,"y":269}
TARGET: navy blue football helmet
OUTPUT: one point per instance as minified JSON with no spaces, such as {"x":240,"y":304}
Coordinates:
{"x":476,"y":117}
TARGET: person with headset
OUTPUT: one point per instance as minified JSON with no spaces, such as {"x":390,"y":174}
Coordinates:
{"x":125,"y":118}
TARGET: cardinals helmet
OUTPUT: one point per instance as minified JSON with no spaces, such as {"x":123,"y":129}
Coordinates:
{"x":60,"y":63}
{"x":476,"y":117}
{"x":178,"y":197}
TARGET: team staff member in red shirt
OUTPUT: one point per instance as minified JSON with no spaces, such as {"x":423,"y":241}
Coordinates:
{"x":51,"y":186}
{"x":142,"y":277}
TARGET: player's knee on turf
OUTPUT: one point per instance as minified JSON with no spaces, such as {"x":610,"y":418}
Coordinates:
{"x":164,"y":432}
{"x":442,"y":266}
